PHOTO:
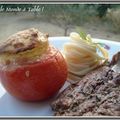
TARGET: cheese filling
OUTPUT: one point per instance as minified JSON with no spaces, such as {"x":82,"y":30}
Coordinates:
{"x":23,"y":46}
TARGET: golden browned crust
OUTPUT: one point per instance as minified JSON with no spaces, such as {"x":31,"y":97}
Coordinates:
{"x":22,"y":41}
{"x":24,"y":45}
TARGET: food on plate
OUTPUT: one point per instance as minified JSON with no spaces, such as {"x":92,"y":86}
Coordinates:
{"x":82,"y":56}
{"x":116,"y":62}
{"x":97,"y":94}
{"x":30,"y":68}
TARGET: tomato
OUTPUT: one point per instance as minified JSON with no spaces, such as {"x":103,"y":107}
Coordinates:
{"x":38,"y":80}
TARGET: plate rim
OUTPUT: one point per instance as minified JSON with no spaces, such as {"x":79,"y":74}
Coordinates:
{"x":94,"y":39}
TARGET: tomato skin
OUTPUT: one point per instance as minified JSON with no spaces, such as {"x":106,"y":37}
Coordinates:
{"x":36,"y":81}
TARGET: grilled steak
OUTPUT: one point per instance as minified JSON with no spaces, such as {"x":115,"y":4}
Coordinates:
{"x":97,"y":94}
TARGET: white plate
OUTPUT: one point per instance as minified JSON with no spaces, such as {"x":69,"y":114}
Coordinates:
{"x":9,"y":106}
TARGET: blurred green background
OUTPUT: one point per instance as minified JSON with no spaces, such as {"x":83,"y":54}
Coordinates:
{"x":99,"y":20}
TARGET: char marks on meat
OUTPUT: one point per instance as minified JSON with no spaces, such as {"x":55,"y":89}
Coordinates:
{"x":97,"y":94}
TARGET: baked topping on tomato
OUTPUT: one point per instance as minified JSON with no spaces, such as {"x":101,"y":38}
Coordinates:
{"x":27,"y":44}
{"x":24,"y":40}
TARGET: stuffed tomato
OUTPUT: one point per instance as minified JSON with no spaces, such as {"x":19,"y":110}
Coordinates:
{"x":30,"y":68}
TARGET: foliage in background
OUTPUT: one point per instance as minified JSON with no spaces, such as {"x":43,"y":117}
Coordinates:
{"x":69,"y":15}
{"x":65,"y":15}
{"x":114,"y":16}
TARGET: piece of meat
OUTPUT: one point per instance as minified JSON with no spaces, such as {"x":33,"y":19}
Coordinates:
{"x":97,"y":94}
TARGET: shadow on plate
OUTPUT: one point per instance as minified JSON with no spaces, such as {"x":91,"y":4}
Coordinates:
{"x":10,"y":106}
